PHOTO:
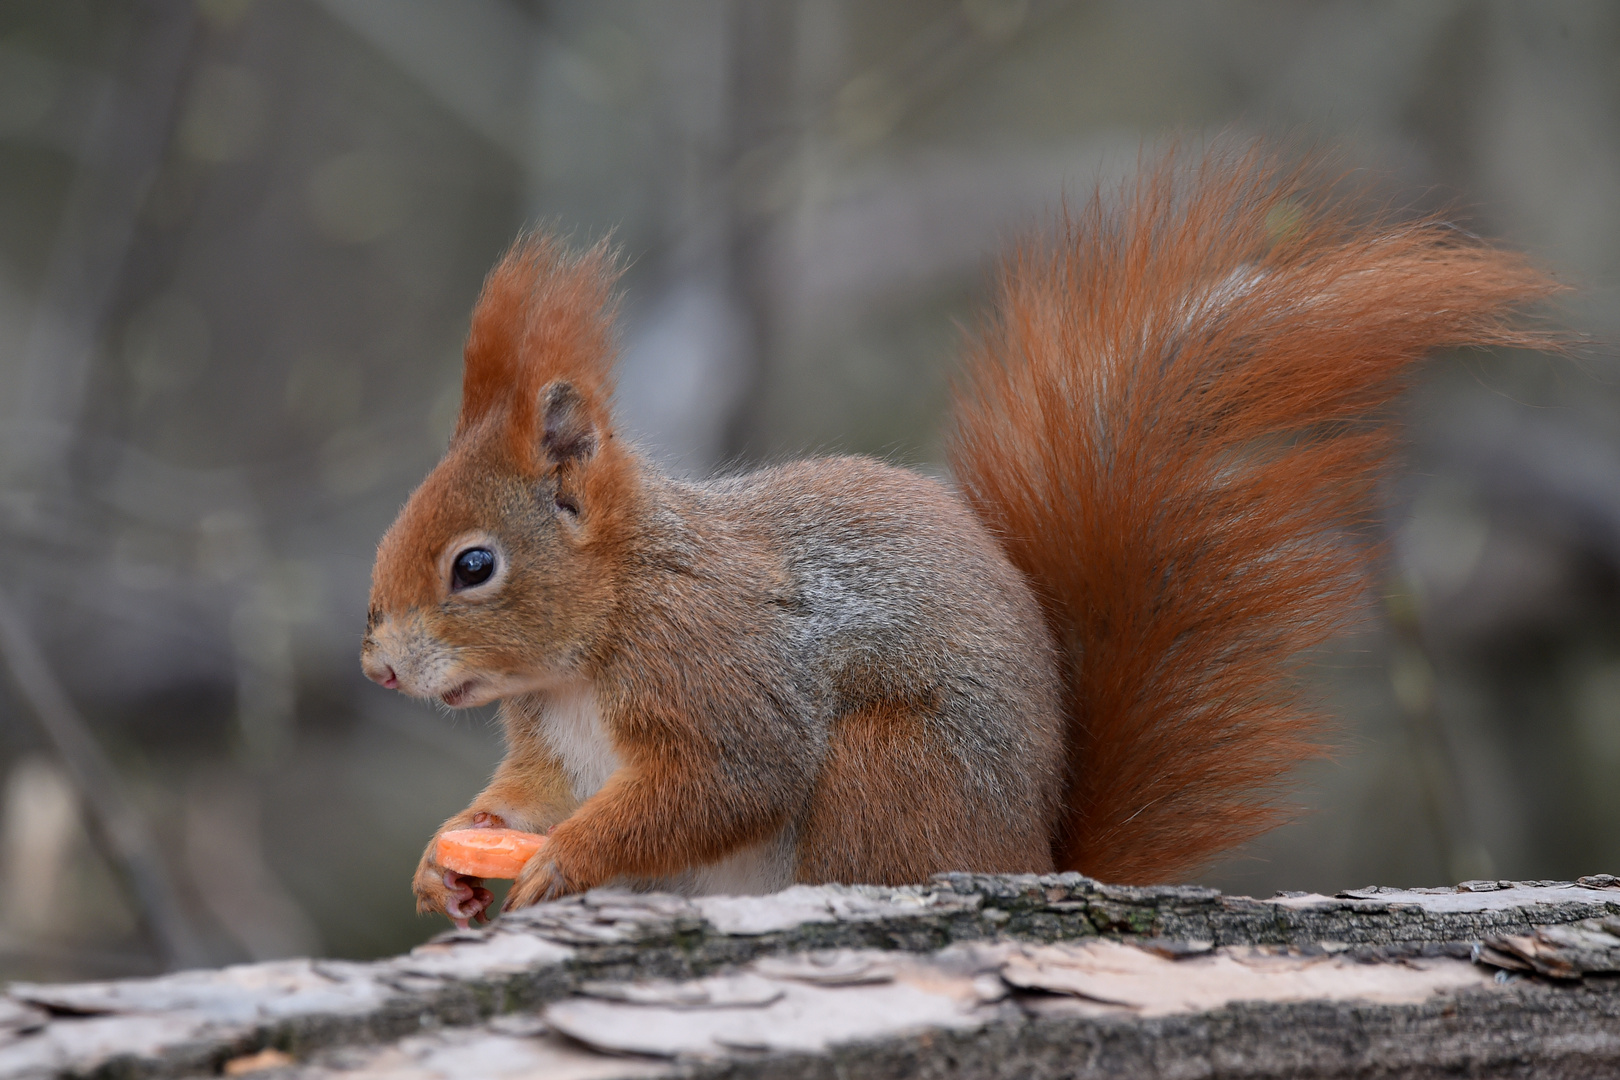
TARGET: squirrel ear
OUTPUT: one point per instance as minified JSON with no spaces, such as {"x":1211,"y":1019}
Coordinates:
{"x":568,"y":432}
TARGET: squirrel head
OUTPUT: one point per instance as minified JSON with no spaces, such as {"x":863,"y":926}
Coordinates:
{"x":498,"y":574}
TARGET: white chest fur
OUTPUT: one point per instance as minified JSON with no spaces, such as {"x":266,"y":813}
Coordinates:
{"x":571,"y":725}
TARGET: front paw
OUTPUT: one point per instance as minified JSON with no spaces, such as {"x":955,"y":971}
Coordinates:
{"x":458,"y":896}
{"x":541,"y":879}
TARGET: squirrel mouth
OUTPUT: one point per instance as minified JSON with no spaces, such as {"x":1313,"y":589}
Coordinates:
{"x":458,"y":695}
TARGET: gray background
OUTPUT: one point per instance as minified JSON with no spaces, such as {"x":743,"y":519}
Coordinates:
{"x":239,"y":241}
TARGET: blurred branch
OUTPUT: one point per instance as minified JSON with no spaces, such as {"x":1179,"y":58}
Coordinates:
{"x":930,"y":64}
{"x":1412,"y":677}
{"x":116,"y":824}
{"x":763,"y":134}
{"x":770,"y":125}
{"x":123,"y":147}
{"x":473,"y":56}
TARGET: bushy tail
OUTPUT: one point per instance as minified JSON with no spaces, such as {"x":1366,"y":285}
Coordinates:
{"x":1174,"y":419}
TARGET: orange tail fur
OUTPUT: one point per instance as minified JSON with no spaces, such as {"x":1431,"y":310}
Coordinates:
{"x":1174,"y":419}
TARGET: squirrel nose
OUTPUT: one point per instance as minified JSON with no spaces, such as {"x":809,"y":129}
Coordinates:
{"x":383,"y":676}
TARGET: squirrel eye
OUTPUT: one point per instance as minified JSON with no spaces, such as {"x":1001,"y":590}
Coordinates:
{"x":472,"y":567}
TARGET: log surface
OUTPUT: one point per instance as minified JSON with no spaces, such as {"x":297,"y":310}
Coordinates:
{"x":969,"y":975}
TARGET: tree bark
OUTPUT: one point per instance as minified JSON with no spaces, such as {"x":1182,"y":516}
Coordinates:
{"x":968,"y":975}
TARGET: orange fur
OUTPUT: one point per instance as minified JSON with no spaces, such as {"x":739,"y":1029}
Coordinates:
{"x":1175,"y":421}
{"x":886,"y":806}
{"x":545,"y":313}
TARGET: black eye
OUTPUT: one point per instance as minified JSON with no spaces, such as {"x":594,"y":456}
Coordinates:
{"x":472,"y":567}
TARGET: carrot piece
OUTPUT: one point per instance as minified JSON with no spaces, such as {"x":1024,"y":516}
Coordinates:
{"x":486,"y":853}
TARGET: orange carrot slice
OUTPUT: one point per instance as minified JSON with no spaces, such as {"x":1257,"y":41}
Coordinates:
{"x":486,"y":853}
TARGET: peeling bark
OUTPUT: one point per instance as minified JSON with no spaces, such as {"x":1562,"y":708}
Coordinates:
{"x":967,"y":976}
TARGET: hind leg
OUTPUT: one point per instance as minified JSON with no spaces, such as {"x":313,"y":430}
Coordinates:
{"x":894,"y":805}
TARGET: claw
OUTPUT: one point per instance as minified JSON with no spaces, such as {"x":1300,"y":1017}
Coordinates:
{"x":468,"y":899}
{"x":536,"y":884}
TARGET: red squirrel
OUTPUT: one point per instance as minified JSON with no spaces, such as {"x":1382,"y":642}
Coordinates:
{"x":1081,"y":654}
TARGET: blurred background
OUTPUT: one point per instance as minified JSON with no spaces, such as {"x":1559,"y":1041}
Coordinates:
{"x":238,"y":246}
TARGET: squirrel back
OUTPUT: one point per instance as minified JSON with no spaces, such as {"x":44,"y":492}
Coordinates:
{"x":1175,"y":421}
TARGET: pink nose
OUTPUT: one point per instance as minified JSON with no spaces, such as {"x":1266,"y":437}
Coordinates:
{"x":384,"y":677}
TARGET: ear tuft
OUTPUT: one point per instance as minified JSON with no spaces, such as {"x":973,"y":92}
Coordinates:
{"x":544,"y":318}
{"x":568,"y":432}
